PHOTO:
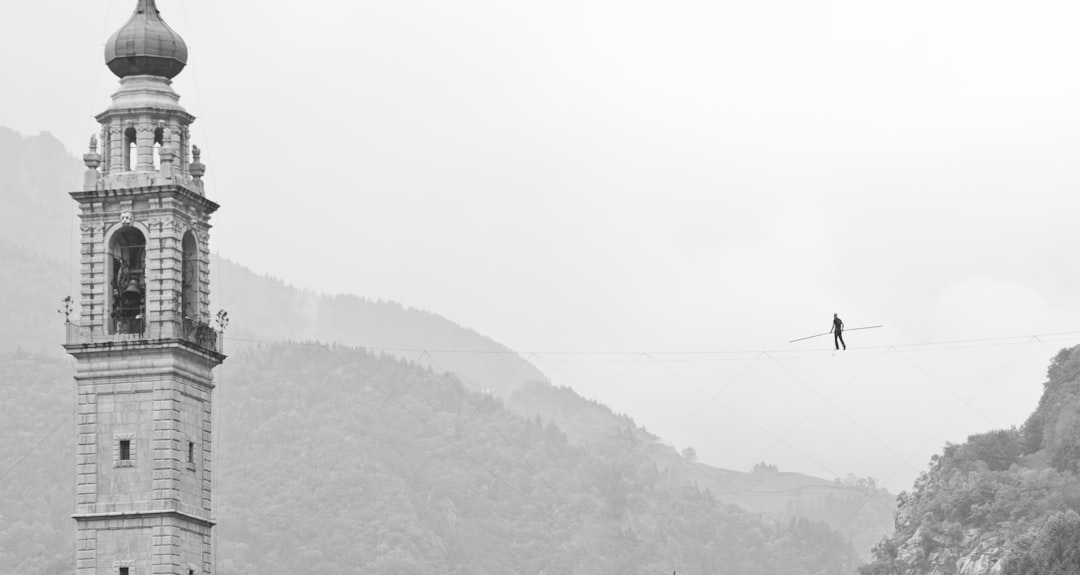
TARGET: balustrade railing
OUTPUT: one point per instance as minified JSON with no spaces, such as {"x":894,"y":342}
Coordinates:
{"x":136,"y":330}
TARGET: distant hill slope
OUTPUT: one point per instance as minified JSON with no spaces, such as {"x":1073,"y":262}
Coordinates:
{"x":269,"y":309}
{"x":333,"y":458}
{"x":36,"y":244}
{"x":36,"y":173}
{"x":856,"y":508}
{"x":31,"y":288}
{"x":37,"y":456}
{"x":1005,"y":502}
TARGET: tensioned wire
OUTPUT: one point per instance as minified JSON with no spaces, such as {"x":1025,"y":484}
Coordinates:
{"x":738,"y":495}
{"x":825,"y":401}
{"x":497,"y":476}
{"x":596,"y":356}
{"x":73,"y":267}
{"x":780,"y":439}
{"x":392,"y":396}
{"x":945,"y":425}
{"x":728,"y":488}
{"x":707,"y":355}
{"x":868,"y":496}
{"x":949,"y":345}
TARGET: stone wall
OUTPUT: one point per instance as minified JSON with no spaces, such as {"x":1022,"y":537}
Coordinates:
{"x":151,"y":512}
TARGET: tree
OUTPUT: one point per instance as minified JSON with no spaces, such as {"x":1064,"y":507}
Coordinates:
{"x":1055,"y":550}
{"x":762,"y":467}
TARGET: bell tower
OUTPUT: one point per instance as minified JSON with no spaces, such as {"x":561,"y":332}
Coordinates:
{"x":143,"y":342}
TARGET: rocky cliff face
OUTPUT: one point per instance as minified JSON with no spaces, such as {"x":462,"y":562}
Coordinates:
{"x":1002,"y":503}
{"x":978,"y":552}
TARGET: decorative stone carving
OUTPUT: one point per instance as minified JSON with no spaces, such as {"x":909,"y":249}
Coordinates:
{"x":197,"y":169}
{"x":92,"y":159}
{"x":127,"y":218}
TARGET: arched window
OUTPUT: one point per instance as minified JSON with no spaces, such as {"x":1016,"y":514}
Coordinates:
{"x":159,"y":141}
{"x":127,"y":281}
{"x":189,"y":279}
{"x":131,"y":149}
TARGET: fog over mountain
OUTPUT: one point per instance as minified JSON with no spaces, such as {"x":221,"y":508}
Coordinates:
{"x":641,"y":177}
{"x":608,"y":221}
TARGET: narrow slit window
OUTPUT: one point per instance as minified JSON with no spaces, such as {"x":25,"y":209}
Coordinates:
{"x":191,"y":452}
{"x":131,"y":149}
{"x":125,"y":455}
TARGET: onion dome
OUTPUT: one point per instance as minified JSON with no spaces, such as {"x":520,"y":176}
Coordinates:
{"x":146,"y":45}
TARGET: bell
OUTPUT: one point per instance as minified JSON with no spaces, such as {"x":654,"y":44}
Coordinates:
{"x":131,"y":294}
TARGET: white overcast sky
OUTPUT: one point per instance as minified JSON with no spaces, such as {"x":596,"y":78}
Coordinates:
{"x":640,"y":176}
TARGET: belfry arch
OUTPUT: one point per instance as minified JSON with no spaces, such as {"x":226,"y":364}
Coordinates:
{"x":159,"y":143}
{"x":126,"y":293}
{"x":189,"y":278}
{"x":131,"y":149}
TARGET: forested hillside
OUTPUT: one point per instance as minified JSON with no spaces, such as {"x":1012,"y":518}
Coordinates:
{"x":1004,"y":502}
{"x":856,"y":507}
{"x":331,"y":457}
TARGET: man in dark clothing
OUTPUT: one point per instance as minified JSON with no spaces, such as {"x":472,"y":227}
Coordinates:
{"x":837,"y":330}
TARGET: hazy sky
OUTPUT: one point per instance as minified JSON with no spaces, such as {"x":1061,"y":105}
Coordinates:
{"x":595,"y":175}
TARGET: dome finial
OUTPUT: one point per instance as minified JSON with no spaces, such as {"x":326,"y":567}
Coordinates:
{"x":146,"y":45}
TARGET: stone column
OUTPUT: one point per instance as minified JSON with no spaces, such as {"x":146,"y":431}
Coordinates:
{"x":145,"y":142}
{"x":116,"y":149}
